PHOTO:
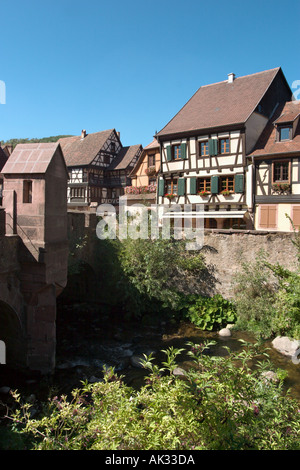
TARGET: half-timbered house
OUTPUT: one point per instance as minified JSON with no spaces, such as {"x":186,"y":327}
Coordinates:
{"x":204,"y":147}
{"x":277,"y":171}
{"x":144,"y":176}
{"x":98,"y":166}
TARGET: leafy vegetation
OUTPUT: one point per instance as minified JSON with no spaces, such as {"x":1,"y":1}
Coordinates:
{"x":220,"y":404}
{"x":208,"y":313}
{"x":267,"y":297}
{"x":15,"y":142}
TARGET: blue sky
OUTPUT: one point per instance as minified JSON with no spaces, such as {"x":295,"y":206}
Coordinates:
{"x":131,"y":65}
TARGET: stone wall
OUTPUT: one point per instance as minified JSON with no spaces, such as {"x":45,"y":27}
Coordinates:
{"x":225,"y":250}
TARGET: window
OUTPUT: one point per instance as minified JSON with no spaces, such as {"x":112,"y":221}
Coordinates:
{"x":204,"y":149}
{"x":204,"y":185}
{"x":152,"y":181}
{"x":151,"y":160}
{"x":284,"y":133}
{"x":281,"y":171}
{"x":27,"y":192}
{"x":171,"y":186}
{"x":176,"y":152}
{"x":224,"y":146}
{"x":106,"y":159}
{"x":113,"y":147}
{"x":227,"y":183}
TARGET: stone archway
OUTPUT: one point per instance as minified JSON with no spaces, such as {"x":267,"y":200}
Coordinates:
{"x":12,"y":334}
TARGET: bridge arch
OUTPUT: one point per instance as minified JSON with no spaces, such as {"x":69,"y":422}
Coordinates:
{"x":12,"y":334}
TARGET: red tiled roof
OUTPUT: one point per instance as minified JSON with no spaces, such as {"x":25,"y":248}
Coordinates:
{"x":289,"y":113}
{"x":30,"y":158}
{"x":124,"y":157}
{"x":221,"y":104}
{"x":78,"y":151}
{"x":267,"y":144}
{"x":153,"y":145}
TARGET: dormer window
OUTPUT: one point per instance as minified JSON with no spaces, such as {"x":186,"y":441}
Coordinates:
{"x":284,"y":133}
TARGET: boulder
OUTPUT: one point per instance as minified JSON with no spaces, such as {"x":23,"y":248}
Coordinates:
{"x":225,"y":332}
{"x":286,"y":346}
{"x":135,"y":361}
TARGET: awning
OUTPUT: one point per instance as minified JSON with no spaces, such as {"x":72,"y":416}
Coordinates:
{"x":205,"y":215}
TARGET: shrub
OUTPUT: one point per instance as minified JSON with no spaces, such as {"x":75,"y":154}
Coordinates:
{"x":208,"y":313}
{"x":221,"y":404}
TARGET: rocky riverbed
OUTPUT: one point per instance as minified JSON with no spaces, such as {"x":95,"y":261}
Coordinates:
{"x":89,"y":339}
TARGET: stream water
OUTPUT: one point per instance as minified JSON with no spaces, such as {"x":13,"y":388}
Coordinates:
{"x":88,"y":339}
{"x":92,"y":341}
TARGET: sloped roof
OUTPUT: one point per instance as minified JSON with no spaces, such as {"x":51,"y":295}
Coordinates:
{"x":221,"y":104}
{"x":153,"y":145}
{"x":30,"y":158}
{"x":124,"y":158}
{"x":78,"y":151}
{"x":267,"y":144}
{"x":289,"y":113}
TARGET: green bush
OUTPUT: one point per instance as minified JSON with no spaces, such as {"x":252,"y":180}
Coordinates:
{"x":221,"y":404}
{"x":267,"y":299}
{"x":208,"y":313}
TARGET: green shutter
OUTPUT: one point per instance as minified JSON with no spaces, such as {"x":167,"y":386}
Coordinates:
{"x":215,"y":141}
{"x":181,"y":186}
{"x":193,"y":185}
{"x":161,"y":187}
{"x":239,"y":183}
{"x":183,"y":151}
{"x":213,"y":147}
{"x":214,"y":184}
{"x":169,"y":153}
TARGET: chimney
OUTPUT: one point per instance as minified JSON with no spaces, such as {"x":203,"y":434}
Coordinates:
{"x":231,"y":77}
{"x":83,"y":134}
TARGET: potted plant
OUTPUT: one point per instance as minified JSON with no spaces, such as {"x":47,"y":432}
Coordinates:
{"x":203,"y":193}
{"x":150,"y":171}
{"x":170,"y":196}
{"x":226,"y":192}
{"x":281,"y":187}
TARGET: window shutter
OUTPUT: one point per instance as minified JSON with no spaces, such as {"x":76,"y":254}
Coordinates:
{"x":239,"y":183}
{"x":215,"y":141}
{"x":161,"y":187}
{"x":214,"y":184}
{"x":181,"y":186}
{"x":213,"y":147}
{"x":183,"y":151}
{"x":169,"y":153}
{"x":193,"y":185}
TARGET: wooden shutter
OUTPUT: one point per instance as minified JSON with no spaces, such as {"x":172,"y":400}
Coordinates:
{"x":296,"y":216}
{"x":181,"y":187}
{"x":193,"y":185}
{"x":214,"y":184}
{"x":268,"y":216}
{"x":213,"y":147}
{"x":169,"y":153}
{"x":239,"y":183}
{"x":183,"y":151}
{"x":161,"y":187}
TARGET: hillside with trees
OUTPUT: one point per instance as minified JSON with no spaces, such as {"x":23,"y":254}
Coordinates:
{"x":15,"y":142}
